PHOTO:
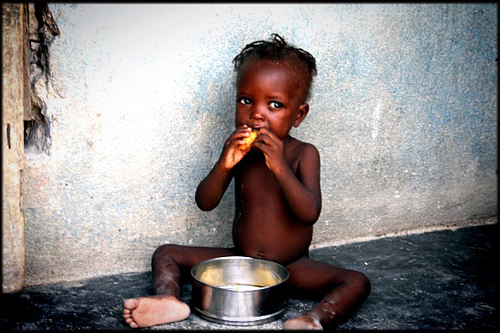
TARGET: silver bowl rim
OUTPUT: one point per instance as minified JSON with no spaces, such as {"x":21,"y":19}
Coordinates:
{"x":284,"y":279}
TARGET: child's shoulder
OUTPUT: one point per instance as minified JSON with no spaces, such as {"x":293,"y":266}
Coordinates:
{"x":304,"y":149}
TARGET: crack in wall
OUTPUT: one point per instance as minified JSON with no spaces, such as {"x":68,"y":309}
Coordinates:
{"x":42,"y":30}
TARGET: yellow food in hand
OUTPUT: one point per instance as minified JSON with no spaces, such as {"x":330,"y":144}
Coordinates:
{"x":248,"y":140}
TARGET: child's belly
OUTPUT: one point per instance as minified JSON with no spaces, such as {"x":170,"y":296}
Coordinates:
{"x":271,"y":242}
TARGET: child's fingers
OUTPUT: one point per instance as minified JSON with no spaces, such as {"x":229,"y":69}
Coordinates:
{"x":268,"y":142}
{"x":268,"y":133}
{"x":240,"y":133}
{"x":266,"y":138}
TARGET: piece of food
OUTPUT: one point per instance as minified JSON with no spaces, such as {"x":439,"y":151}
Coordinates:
{"x":248,"y":141}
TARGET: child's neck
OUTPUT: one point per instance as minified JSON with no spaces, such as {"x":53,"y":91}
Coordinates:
{"x":287,"y":140}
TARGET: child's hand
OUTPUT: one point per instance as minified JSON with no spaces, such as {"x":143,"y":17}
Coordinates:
{"x":273,"y":149}
{"x":231,"y":154}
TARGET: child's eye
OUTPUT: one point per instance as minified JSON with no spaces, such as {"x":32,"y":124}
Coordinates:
{"x":244,"y":101}
{"x":276,"y":105}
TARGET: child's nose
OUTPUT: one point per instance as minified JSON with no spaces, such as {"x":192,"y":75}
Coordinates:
{"x":257,"y":113}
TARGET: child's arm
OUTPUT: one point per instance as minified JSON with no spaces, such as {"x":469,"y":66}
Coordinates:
{"x":211,"y":189}
{"x":302,"y":190}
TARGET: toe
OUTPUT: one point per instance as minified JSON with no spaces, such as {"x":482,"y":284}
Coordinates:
{"x":131,"y":303}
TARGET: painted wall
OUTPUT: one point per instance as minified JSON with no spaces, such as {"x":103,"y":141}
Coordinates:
{"x":403,"y":112}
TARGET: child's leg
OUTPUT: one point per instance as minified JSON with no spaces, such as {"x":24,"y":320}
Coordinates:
{"x":168,"y":264}
{"x":342,"y":292}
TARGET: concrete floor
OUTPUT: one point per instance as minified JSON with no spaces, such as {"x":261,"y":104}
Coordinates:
{"x":443,"y":280}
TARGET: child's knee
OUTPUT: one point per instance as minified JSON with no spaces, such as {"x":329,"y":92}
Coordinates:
{"x":166,"y":251}
{"x":360,"y":281}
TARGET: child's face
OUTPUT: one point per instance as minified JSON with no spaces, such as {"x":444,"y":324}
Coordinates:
{"x":267,"y":96}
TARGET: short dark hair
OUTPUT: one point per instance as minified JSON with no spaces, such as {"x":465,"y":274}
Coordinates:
{"x":278,"y":49}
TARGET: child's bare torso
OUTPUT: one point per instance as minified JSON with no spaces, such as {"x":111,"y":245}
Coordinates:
{"x":264,"y":226}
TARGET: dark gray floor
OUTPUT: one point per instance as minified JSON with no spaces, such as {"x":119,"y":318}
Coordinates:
{"x":444,"y":280}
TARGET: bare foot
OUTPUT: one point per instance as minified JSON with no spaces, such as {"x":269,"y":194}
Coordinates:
{"x":303,"y":322}
{"x":154,"y":310}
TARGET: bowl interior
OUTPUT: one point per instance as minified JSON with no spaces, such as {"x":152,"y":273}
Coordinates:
{"x":239,"y":273}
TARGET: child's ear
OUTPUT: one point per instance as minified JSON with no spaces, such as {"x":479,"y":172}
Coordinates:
{"x":301,"y":114}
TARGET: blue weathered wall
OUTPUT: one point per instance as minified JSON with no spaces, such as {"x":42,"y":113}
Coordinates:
{"x":403,"y":112}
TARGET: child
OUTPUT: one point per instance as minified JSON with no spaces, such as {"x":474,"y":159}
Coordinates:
{"x":277,"y":192}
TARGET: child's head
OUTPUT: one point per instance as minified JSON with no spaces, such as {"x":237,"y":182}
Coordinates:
{"x":299,"y":60}
{"x":272,"y":86}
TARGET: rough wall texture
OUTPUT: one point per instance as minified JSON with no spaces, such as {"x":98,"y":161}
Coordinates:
{"x":403,"y":112}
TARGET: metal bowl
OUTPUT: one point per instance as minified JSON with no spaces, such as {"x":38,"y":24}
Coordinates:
{"x":239,"y":290}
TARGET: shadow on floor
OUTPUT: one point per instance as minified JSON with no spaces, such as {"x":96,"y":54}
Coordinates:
{"x":443,"y":280}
